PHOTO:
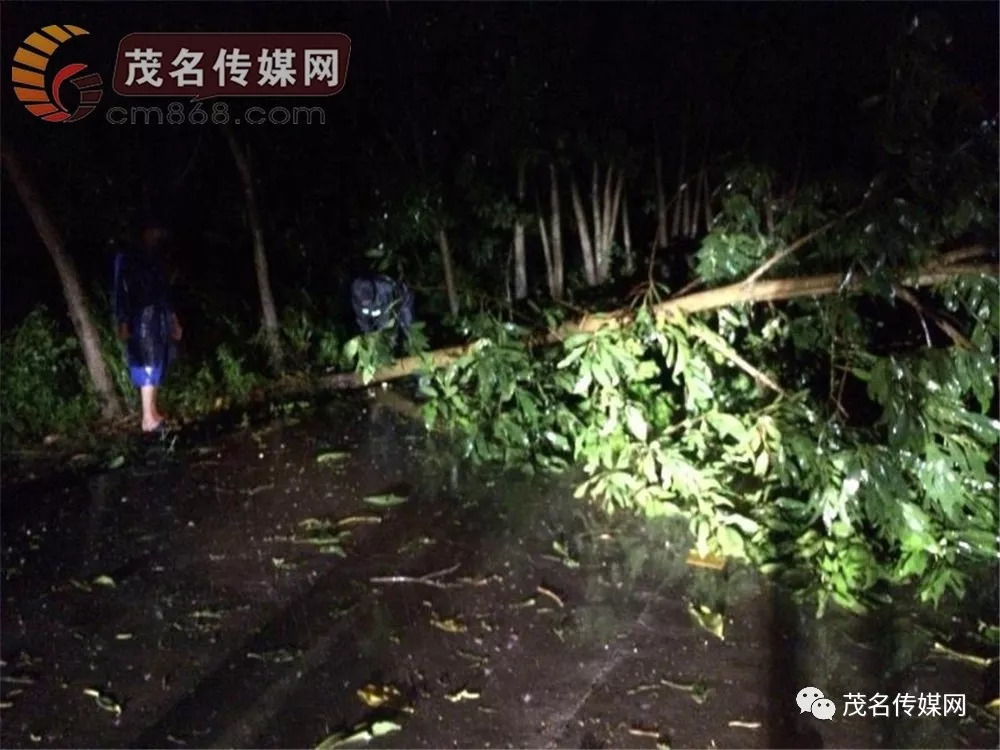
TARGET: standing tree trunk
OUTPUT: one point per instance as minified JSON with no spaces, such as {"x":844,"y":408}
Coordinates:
{"x":520,"y":266}
{"x":595,"y":206}
{"x":696,"y":209}
{"x":508,"y":295}
{"x":543,"y":233}
{"x":269,"y":314}
{"x":675,"y":229}
{"x":612,"y":206}
{"x":449,"y":276}
{"x":660,"y":240}
{"x":558,"y":275}
{"x":79,"y":314}
{"x":589,"y":268}
{"x":707,"y":201}
{"x":627,"y":238}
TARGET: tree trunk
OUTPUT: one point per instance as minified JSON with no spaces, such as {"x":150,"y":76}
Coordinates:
{"x":520,"y":267}
{"x":543,"y":233}
{"x":269,"y":314}
{"x":79,"y":314}
{"x":686,"y":212}
{"x":675,"y":229}
{"x":555,"y":225}
{"x":627,"y":238}
{"x":707,"y":201}
{"x":449,"y":276}
{"x":589,"y":269}
{"x":696,"y":209}
{"x":507,"y":268}
{"x":595,"y":205}
{"x":740,"y":293}
{"x":660,"y":240}
{"x":612,"y":224}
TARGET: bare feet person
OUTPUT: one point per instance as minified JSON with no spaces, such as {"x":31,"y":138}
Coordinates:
{"x":145,"y":319}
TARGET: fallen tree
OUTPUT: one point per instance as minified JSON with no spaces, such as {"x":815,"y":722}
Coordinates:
{"x":966,"y":261}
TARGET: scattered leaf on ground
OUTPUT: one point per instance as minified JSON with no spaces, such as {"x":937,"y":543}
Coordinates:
{"x":107,"y":581}
{"x":363,"y":735}
{"x":332,"y":456}
{"x":551,"y":595}
{"x":640,"y":732}
{"x":358,"y":520}
{"x":708,"y":620}
{"x":104,"y":701}
{"x":385,"y":501}
{"x":277,"y":656}
{"x":979,"y":661}
{"x":462,"y":695}
{"x":374,"y":696}
{"x":449,"y":625}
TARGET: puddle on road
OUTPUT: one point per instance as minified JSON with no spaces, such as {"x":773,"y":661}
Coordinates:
{"x":239,"y":592}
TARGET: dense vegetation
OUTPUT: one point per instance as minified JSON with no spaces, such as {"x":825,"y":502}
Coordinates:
{"x":842,"y":434}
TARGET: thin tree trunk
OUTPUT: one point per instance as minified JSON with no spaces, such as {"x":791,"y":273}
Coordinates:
{"x":555,"y":224}
{"x":589,"y":269}
{"x":269,"y":313}
{"x":627,"y":238}
{"x":686,"y":212}
{"x":543,"y":232}
{"x":520,"y":266}
{"x":708,"y":201}
{"x":449,"y":276}
{"x":679,"y":206}
{"x":507,"y":269}
{"x":696,"y":209}
{"x":660,"y":240}
{"x":595,"y":205}
{"x":602,"y":207}
{"x":612,"y":225}
{"x":79,"y":314}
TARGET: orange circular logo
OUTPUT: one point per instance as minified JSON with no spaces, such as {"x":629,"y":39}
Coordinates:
{"x":39,"y":91}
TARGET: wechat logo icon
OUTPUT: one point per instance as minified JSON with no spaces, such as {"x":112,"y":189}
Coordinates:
{"x":811,"y":700}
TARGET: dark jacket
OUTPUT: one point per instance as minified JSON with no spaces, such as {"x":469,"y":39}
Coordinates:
{"x":379,"y":302}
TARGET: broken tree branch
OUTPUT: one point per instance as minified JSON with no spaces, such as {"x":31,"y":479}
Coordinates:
{"x":781,"y":255}
{"x":737,"y":293}
{"x":956,"y":336}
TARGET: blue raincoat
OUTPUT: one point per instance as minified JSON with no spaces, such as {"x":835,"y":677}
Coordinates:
{"x":141,"y":299}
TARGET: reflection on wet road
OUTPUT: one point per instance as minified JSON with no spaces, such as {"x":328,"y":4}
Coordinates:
{"x":281,"y":584}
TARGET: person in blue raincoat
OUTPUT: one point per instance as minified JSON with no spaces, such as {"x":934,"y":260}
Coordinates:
{"x":145,"y":319}
{"x":380,"y":303}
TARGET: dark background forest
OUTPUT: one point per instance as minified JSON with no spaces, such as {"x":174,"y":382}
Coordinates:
{"x":433,"y":89}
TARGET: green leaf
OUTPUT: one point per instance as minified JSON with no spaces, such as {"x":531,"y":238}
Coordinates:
{"x":603,"y":377}
{"x":636,"y":423}
{"x":582,"y":386}
{"x":728,"y":426}
{"x":351,"y":348}
{"x":559,"y":441}
{"x":761,"y":464}
{"x":570,"y":358}
{"x":332,"y":456}
{"x":385,"y":501}
{"x":731,"y":542}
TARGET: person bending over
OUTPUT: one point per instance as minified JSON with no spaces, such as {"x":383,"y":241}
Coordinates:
{"x":381,"y":303}
{"x":145,"y":319}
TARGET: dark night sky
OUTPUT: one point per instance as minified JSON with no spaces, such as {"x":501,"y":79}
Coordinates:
{"x":769,"y":79}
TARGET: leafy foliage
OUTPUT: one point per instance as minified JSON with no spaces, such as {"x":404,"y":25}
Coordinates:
{"x":43,"y":389}
{"x":876,"y":464}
